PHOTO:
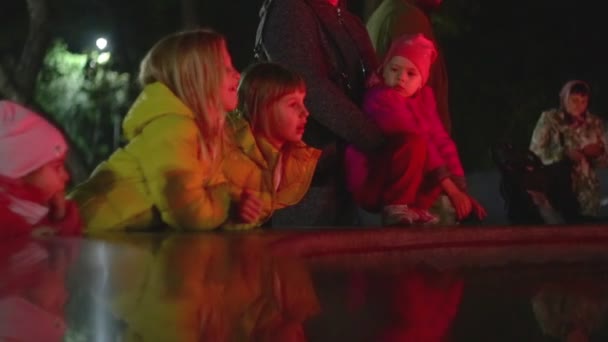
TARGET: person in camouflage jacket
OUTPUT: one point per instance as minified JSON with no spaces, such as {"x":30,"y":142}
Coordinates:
{"x":571,"y":132}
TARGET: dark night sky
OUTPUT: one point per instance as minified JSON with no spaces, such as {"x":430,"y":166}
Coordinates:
{"x":528,"y":36}
{"x":506,"y":60}
{"x":511,"y":61}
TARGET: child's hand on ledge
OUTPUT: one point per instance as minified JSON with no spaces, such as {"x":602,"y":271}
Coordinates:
{"x":250,"y":207}
{"x":593,"y":150}
{"x":57,"y":206}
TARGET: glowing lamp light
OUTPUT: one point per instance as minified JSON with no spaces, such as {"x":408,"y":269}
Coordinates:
{"x":103,"y":58}
{"x":101,"y":43}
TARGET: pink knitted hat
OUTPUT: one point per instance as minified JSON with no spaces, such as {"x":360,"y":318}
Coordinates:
{"x":27,"y":141}
{"x":418,"y":49}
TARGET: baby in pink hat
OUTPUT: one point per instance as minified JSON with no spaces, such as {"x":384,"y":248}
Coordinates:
{"x":421,"y":160}
{"x":33,"y":176}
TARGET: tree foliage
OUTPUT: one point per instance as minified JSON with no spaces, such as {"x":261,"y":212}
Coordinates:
{"x":87,"y":98}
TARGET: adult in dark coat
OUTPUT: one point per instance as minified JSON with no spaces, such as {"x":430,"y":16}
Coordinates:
{"x":331,"y":48}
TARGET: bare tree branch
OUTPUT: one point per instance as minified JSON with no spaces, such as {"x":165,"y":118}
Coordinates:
{"x":7,"y":88}
{"x":35,"y":47}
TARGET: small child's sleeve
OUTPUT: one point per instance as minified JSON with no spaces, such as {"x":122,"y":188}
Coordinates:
{"x":441,"y":143}
{"x":386,"y":109}
{"x":601,"y":160}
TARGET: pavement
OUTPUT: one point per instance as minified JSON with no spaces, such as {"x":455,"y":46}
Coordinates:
{"x":484,"y":186}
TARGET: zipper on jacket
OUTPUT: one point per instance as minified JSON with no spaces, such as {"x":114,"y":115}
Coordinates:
{"x":340,"y":19}
{"x":361,"y":64}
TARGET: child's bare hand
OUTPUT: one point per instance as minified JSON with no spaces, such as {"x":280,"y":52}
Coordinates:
{"x":575,"y":155}
{"x":250,"y":207}
{"x":593,"y":150}
{"x":58,"y":206}
{"x":462,"y":204}
{"x":478,"y":209}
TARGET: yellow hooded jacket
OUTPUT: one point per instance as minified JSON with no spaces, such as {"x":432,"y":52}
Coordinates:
{"x":251,"y":165}
{"x":160,"y":176}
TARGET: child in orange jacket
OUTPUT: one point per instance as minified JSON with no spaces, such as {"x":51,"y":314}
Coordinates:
{"x":270,"y":167}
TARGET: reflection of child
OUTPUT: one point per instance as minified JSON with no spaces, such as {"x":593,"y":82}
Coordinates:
{"x":417,"y":304}
{"x":210,"y":288}
{"x":32,"y":290}
{"x":571,"y":132}
{"x":570,"y":314}
{"x":271,"y":167}
{"x":421,"y":160}
{"x":424,"y":305}
{"x":33,"y":176}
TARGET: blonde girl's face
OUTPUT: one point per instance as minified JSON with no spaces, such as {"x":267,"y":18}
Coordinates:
{"x":290,"y":116}
{"x":577,"y":104}
{"x":228,"y":91}
{"x":402,"y":75}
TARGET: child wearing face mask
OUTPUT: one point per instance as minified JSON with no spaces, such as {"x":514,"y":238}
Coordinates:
{"x":421,"y":160}
{"x":571,"y":133}
{"x":32,"y":176}
{"x":270,"y":167}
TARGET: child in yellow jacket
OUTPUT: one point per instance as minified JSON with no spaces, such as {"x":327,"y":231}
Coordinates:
{"x":169,"y":172}
{"x":270,"y":167}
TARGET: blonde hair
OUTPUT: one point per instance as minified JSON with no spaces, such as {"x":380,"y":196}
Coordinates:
{"x":190,"y":64}
{"x":261,"y":86}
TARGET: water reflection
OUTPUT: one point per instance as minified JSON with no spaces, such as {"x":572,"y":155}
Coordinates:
{"x":33,"y":288}
{"x":299,"y":287}
{"x":571,"y":311}
{"x":204,"y":288}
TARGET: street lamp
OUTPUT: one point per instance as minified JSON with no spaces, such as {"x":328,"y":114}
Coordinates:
{"x":101,"y":43}
{"x":104,"y":56}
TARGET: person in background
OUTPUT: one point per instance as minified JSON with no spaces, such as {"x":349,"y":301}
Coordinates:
{"x":270,"y":167}
{"x":33,"y":176}
{"x":571,"y":133}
